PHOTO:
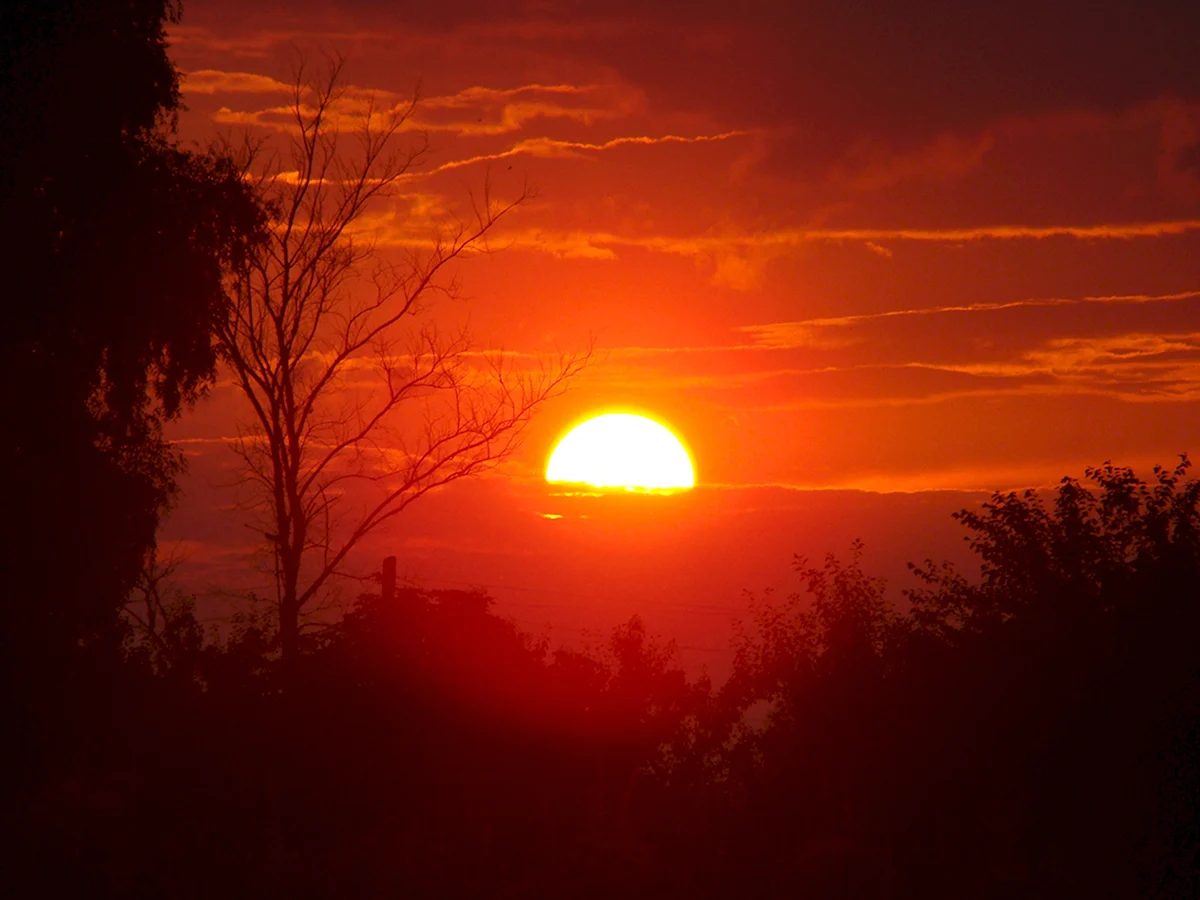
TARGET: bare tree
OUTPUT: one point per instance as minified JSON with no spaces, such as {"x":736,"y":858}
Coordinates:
{"x":349,"y":392}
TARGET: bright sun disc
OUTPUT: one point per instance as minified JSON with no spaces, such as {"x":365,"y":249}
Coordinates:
{"x":620,"y":450}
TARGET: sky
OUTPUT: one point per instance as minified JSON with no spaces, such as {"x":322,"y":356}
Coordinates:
{"x":869,"y":263}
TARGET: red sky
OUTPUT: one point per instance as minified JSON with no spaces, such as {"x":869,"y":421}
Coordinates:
{"x":944,"y":247}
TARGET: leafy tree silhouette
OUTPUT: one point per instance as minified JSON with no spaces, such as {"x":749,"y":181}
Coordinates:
{"x":1081,"y":640}
{"x":1031,"y":733}
{"x":1088,"y":555}
{"x":115,"y":262}
{"x":116,"y":245}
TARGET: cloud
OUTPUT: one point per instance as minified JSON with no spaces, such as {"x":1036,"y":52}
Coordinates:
{"x":214,"y":81}
{"x":783,"y":335}
{"x":550,"y":148}
{"x":916,"y":72}
{"x":343,"y":115}
{"x":349,"y":107}
{"x":1117,"y":354}
{"x":1115,"y":231}
{"x":1138,"y":366}
{"x":257,"y":43}
{"x":787,"y":238}
{"x":471,"y":112}
{"x":739,"y":257}
{"x":563,"y":246}
{"x":479,"y":111}
{"x":1127,"y":348}
{"x":477,"y":95}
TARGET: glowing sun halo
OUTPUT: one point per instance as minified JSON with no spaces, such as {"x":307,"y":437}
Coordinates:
{"x":620,"y":450}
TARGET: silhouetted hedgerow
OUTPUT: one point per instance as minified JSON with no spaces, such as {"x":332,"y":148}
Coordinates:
{"x":1032,"y":733}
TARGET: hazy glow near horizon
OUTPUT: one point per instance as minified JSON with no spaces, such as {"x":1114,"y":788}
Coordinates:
{"x":621,"y":450}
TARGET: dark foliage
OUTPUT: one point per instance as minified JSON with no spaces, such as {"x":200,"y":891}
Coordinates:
{"x":114,"y":250}
{"x":1033,"y":734}
{"x":426,"y":746}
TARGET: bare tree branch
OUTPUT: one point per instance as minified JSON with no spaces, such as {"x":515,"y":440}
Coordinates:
{"x":318,"y":309}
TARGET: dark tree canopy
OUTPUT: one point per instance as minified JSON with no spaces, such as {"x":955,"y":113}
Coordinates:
{"x":114,"y":253}
{"x":1032,"y":732}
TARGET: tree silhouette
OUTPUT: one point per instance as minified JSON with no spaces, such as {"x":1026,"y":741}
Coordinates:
{"x":118,"y":243}
{"x":1035,"y":728}
{"x":1080,"y":640}
{"x":1086,"y":556}
{"x":318,"y":311}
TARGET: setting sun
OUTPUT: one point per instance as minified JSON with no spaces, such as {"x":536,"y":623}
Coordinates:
{"x":621,"y":450}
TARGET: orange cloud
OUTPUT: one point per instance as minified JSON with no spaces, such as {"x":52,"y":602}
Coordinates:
{"x":783,"y":335}
{"x":257,"y":44}
{"x":739,"y":258}
{"x":472,"y":112}
{"x":836,"y":363}
{"x":547,"y":148}
{"x":214,"y":81}
{"x":488,"y":111}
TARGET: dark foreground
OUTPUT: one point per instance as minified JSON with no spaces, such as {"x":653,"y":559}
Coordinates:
{"x":1033,"y":734}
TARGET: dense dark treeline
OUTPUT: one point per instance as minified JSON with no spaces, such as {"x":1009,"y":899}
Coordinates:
{"x":1032,"y":733}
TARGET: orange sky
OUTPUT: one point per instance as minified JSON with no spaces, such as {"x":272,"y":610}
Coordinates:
{"x":951,"y":248}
